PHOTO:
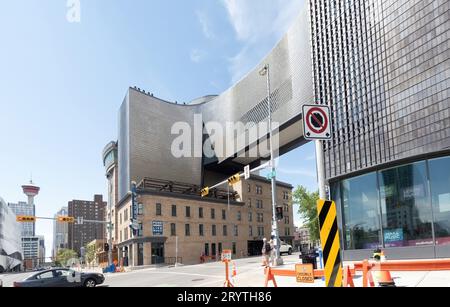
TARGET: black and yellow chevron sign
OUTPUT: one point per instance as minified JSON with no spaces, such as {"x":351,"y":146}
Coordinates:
{"x":329,"y":236}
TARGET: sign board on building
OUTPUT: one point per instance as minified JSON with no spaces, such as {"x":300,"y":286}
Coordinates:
{"x":134,"y":225}
{"x":305,"y":273}
{"x":226,"y":255}
{"x":317,"y":122}
{"x":158,"y":228}
{"x":247,"y":172}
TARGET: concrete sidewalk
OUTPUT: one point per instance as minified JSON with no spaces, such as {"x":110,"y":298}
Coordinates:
{"x":402,"y":279}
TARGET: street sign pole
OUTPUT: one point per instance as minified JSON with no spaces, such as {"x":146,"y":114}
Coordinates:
{"x":320,"y":163}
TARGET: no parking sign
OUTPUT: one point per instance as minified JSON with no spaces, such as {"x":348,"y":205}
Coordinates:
{"x":316,"y":122}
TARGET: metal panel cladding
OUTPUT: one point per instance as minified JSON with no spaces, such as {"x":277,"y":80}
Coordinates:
{"x":384,"y":67}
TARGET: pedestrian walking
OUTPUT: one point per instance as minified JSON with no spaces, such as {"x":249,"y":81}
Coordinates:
{"x":272,"y":252}
{"x":266,"y":253}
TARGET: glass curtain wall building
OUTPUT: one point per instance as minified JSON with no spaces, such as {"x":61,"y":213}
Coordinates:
{"x":383,"y":66}
{"x":11,"y":254}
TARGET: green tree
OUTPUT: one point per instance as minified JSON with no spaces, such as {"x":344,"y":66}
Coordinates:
{"x":308,"y":210}
{"x":90,"y":253}
{"x":65,"y":255}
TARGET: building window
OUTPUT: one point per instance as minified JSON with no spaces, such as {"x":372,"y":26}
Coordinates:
{"x":200,"y":213}
{"x":287,"y":232}
{"x":188,"y":211}
{"x":220,"y":248}
{"x":158,"y":210}
{"x":260,"y":231}
{"x":258,"y":189}
{"x":214,"y":233}
{"x":187,"y":230}
{"x":286,"y":195}
{"x":140,"y":231}
{"x":173,"y":229}
{"x":225,"y":233}
{"x":234,"y":248}
{"x":200,"y":230}
{"x":239,"y":216}
{"x":125,"y":215}
{"x":174,"y":210}
{"x":213,"y":249}
{"x":286,"y":208}
{"x":249,"y":188}
{"x":440,"y":195}
{"x":250,"y":216}
{"x":140,"y":209}
{"x":224,"y":215}
{"x":120,"y":235}
{"x":406,"y":212}
{"x":126,"y":234}
{"x":286,"y":219}
{"x":249,"y":203}
{"x":213,"y":214}
{"x":260,"y":218}
{"x":360,"y":203}
{"x":236,"y":232}
{"x":206,"y":249}
{"x":120,"y":220}
{"x":250,"y":231}
{"x":259,"y":204}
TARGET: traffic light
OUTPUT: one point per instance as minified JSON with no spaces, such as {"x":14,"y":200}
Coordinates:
{"x":205,"y":192}
{"x":25,"y":219}
{"x":234,"y":179}
{"x":106,"y":248}
{"x":66,"y":219}
{"x":279,"y":213}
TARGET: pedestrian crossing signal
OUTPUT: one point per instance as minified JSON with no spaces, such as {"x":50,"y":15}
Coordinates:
{"x":279,"y":212}
{"x":234,"y":179}
{"x":25,"y":219}
{"x":66,"y":219}
{"x":205,"y":192}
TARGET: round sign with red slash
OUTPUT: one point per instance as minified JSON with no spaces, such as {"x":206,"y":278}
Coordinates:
{"x":316,"y":120}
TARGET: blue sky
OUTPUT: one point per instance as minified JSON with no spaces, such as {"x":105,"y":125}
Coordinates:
{"x":61,"y":83}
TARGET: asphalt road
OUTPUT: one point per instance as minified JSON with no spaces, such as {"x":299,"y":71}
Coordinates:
{"x":250,"y":273}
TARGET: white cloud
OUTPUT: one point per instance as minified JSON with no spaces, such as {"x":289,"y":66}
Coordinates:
{"x":311,"y":157}
{"x":258,"y":24}
{"x":197,"y":55}
{"x":203,"y":19}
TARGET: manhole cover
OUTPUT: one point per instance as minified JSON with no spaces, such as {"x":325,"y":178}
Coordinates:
{"x":200,"y":279}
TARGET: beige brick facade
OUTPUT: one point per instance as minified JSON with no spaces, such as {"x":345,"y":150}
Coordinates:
{"x":251,"y":218}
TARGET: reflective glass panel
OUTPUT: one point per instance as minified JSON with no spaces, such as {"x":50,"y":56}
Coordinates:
{"x":440,"y":192}
{"x":361,"y":212}
{"x":405,"y":206}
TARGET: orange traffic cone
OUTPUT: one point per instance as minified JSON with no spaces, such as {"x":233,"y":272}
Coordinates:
{"x":385,"y":279}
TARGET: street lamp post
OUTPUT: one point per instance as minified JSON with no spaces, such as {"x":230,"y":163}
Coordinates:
{"x":265,"y":71}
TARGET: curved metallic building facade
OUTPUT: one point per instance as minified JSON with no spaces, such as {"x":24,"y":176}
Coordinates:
{"x":383,"y":66}
{"x":145,"y":122}
{"x":10,"y":240}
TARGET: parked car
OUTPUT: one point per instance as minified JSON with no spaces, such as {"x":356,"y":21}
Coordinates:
{"x":285,"y":248}
{"x":1,"y":283}
{"x":61,"y":278}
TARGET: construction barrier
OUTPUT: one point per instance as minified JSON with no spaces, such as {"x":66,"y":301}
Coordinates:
{"x":367,"y":268}
{"x":430,"y":265}
{"x":270,"y":274}
{"x":329,"y":236}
